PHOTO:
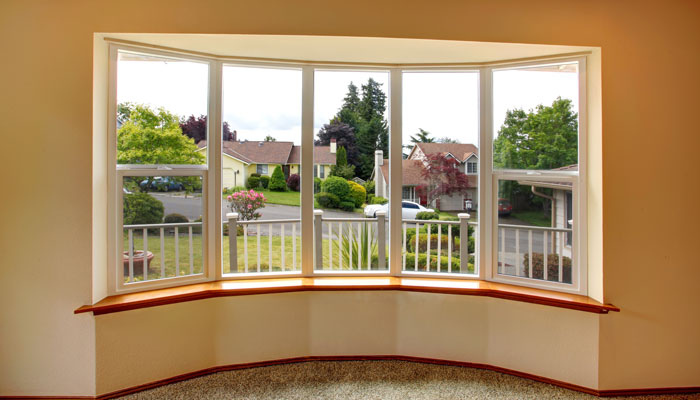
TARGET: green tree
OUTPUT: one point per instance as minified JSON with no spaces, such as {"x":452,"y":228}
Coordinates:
{"x":544,"y":138}
{"x":341,"y":167}
{"x":351,"y":101}
{"x":277,"y":182}
{"x":155,"y":137}
{"x":422,"y":136}
{"x":269,"y":138}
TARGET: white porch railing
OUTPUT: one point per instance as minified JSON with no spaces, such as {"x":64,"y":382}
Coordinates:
{"x":534,"y":252}
{"x":350,"y":244}
{"x":254,"y":231}
{"x":143,"y":260}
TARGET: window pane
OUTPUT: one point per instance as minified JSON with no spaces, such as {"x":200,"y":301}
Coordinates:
{"x":532,"y":221}
{"x":536,"y":117}
{"x":440,"y":141}
{"x":260,"y":161}
{"x":351,"y":146}
{"x":161,"y":111}
{"x":162,"y":219}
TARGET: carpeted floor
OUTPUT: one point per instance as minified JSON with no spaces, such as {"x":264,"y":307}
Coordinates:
{"x":365,"y":380}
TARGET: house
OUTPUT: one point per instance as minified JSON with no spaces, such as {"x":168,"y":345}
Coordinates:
{"x":243,"y":158}
{"x":561,"y":206}
{"x":643,"y":63}
{"x":414,"y":165}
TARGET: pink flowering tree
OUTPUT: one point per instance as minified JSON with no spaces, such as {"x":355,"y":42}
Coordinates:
{"x":246,"y":204}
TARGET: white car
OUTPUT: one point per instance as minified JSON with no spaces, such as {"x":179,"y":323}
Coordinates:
{"x":409,"y":209}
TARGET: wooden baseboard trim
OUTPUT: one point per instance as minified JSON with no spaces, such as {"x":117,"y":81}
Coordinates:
{"x":231,"y":367}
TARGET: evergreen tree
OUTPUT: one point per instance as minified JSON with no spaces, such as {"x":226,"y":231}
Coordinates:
{"x":341,"y":167}
{"x":351,"y":102}
{"x":344,"y":136}
{"x":277,"y":182}
{"x":422,"y":136}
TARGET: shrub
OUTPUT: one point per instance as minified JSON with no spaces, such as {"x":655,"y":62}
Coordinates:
{"x":246,"y":204}
{"x":317,"y":185}
{"x":327,"y":200}
{"x":239,"y":230}
{"x":237,"y":189}
{"x":227,"y":191}
{"x":369,"y":187}
{"x":423,"y":243}
{"x":142,"y":208}
{"x":357,"y":194}
{"x":293,"y":182}
{"x":175,"y":218}
{"x":370,"y":198}
{"x":253,"y":182}
{"x":255,"y":174}
{"x":198,"y":228}
{"x":337,"y":186}
{"x":552,"y":267}
{"x":347,"y":206}
{"x":379,"y":200}
{"x":277,"y":182}
{"x":264,"y":181}
{"x":422,"y":263}
{"x":426,"y":215}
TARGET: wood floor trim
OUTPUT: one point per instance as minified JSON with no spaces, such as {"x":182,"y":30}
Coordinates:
{"x":231,"y":367}
{"x":153,"y":298}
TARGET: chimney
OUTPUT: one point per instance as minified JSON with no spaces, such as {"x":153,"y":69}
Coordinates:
{"x":333,"y":146}
{"x":379,"y":184}
{"x":234,"y":136}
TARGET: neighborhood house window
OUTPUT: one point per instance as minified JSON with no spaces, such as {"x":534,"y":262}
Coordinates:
{"x":173,"y":226}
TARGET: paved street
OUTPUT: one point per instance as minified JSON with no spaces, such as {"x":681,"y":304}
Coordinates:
{"x":191,"y":207}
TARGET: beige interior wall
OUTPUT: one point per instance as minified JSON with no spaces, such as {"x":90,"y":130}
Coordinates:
{"x":141,"y":346}
{"x":649,"y":100}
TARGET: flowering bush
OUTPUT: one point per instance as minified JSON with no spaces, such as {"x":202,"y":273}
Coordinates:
{"x":246,"y":203}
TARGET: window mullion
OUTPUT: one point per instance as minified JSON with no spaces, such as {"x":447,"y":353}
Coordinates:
{"x":486,"y":236}
{"x":307,"y":176}
{"x":212,"y":235}
{"x":395,"y":170}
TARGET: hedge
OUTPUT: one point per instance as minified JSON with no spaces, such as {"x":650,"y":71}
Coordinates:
{"x":379,"y":200}
{"x":552,"y":267}
{"x":337,"y":186}
{"x":347,"y":206}
{"x":253,"y":182}
{"x":265,"y":181}
{"x":426,"y":215}
{"x":422,"y":258}
{"x":357,"y":194}
{"x":277,"y":182}
{"x":327,"y":200}
{"x":142,"y":208}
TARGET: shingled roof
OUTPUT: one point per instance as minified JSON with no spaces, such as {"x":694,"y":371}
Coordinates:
{"x":461,"y":151}
{"x":283,"y":153}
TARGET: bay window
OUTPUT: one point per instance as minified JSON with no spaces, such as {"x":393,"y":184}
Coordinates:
{"x":208,"y":184}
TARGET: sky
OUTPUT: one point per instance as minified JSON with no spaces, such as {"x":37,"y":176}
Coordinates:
{"x":264,"y":101}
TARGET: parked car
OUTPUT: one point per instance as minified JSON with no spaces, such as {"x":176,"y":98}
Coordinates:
{"x":409,"y":209}
{"x":163,"y":184}
{"x":504,"y":207}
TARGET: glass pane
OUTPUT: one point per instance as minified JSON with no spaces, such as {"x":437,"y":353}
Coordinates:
{"x":440,"y":141}
{"x":162,"y":218}
{"x":536,"y":117}
{"x":260,"y":168}
{"x":534,"y":218}
{"x":350,"y":157}
{"x":161,"y":110}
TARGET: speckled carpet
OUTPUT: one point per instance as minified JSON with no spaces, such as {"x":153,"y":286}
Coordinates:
{"x":365,"y":380}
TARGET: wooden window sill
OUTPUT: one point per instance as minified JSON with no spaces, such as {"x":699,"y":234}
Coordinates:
{"x":152,"y":298}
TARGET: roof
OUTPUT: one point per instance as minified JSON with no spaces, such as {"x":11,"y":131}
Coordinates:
{"x":283,"y":153}
{"x":461,"y":151}
{"x":412,"y":173}
{"x":322,"y":155}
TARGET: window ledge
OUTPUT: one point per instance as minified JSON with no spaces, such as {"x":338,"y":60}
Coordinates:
{"x":153,"y":298}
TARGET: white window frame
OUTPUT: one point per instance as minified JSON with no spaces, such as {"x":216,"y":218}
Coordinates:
{"x":211,"y":173}
{"x":490,"y":176}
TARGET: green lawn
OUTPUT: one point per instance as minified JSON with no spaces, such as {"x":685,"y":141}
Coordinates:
{"x":285,"y":198}
{"x":536,"y":218}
